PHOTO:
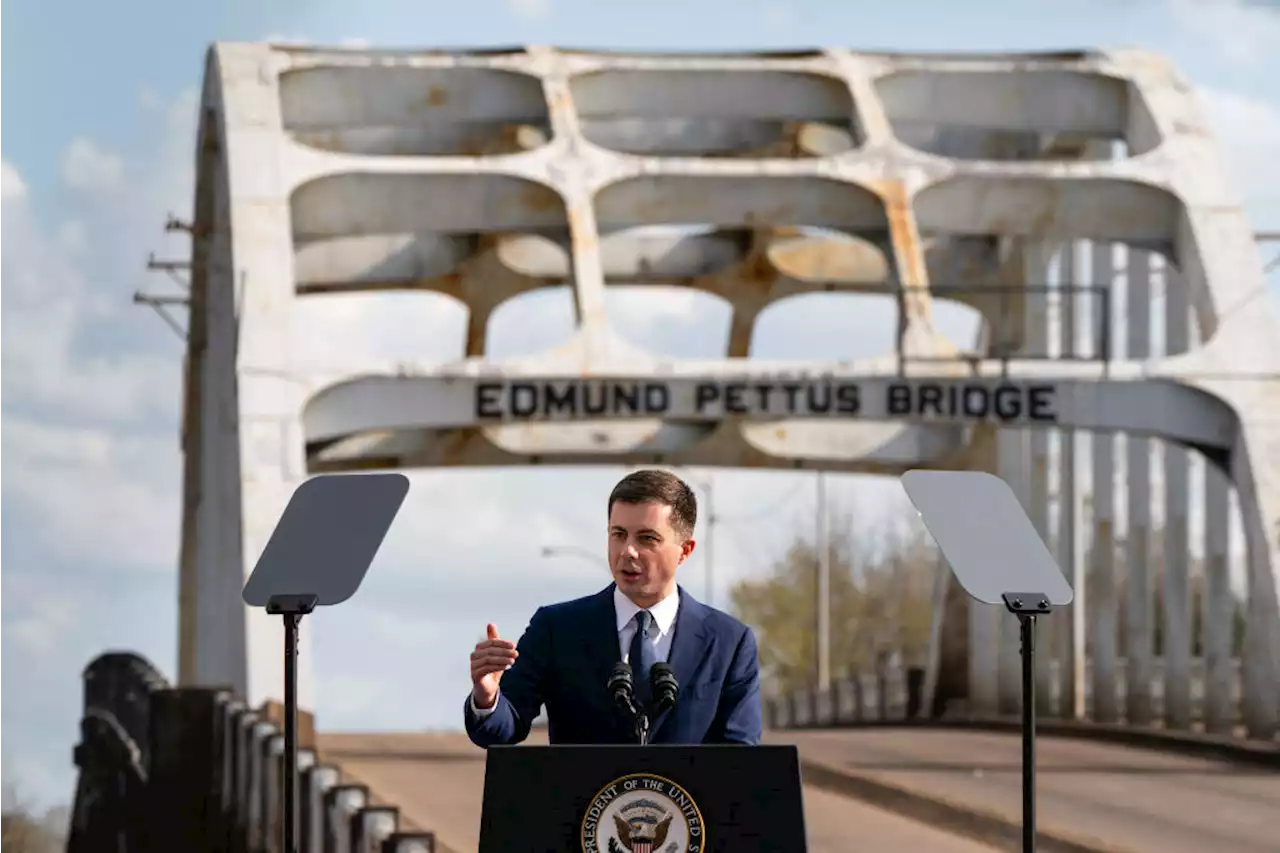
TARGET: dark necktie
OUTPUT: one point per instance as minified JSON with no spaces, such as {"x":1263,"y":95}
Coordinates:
{"x":641,"y":657}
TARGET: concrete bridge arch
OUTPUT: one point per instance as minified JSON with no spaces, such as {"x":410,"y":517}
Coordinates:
{"x":484,"y":175}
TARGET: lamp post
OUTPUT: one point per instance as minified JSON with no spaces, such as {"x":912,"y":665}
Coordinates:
{"x":569,"y":551}
{"x":708,"y":562}
{"x":822,"y":604}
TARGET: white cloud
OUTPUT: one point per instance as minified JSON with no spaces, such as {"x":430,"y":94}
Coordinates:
{"x":32,"y":619}
{"x":294,"y":40}
{"x":12,"y":187}
{"x":106,"y":499}
{"x":377,"y":326}
{"x":90,"y":413}
{"x":1243,"y":33}
{"x":529,"y":8}
{"x":149,"y":99}
{"x":73,"y":236}
{"x":778,"y":15}
{"x":54,"y":301}
{"x":85,"y":166}
{"x":277,"y":38}
{"x":1248,"y":130}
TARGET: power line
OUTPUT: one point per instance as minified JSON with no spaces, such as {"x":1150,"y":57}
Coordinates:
{"x":172,"y":268}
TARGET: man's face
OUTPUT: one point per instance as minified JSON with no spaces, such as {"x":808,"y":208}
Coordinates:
{"x":644,"y":551}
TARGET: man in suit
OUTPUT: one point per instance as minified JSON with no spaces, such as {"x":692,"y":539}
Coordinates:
{"x":569,"y":649}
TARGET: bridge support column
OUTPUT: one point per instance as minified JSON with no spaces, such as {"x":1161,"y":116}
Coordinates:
{"x":1238,"y":363}
{"x":1218,"y":604}
{"x":1102,"y":579}
{"x":1069,"y":624}
{"x":244,"y":441}
{"x":1175,"y":568}
{"x":1037,"y":318}
{"x":1140,"y":666}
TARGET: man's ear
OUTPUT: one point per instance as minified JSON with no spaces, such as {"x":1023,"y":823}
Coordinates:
{"x":686,"y":548}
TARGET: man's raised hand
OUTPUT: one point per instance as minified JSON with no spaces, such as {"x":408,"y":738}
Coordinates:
{"x":491,"y":657}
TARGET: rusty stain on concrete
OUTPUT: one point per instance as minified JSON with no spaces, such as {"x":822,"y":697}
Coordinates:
{"x":437,"y":96}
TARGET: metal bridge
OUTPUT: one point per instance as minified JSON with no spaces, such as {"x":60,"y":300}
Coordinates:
{"x":1076,"y":201}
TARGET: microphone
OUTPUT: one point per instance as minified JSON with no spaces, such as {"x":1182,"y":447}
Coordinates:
{"x":621,"y":686}
{"x":665,"y":687}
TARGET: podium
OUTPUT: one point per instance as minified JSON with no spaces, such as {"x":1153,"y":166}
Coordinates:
{"x":642,"y":799}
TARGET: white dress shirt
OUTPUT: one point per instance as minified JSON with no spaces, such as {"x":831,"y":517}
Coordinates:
{"x":664,"y":621}
{"x":625,"y":610}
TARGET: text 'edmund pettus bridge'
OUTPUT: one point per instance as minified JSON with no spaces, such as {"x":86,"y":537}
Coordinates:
{"x":698,"y":399}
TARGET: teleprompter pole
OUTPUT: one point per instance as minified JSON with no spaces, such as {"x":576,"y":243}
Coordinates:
{"x":292,"y":608}
{"x":994,"y":550}
{"x":318,"y":554}
{"x":1026,"y":606}
{"x":1028,"y":630}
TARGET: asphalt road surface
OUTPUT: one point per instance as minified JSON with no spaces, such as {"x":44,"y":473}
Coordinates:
{"x":437,"y":781}
{"x":1134,"y":799}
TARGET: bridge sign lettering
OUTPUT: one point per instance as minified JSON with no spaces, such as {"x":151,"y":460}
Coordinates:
{"x":972,"y":402}
{"x":703,"y":399}
{"x":584,"y":398}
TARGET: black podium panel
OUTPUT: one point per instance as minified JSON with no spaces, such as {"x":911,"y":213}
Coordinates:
{"x":642,"y":799}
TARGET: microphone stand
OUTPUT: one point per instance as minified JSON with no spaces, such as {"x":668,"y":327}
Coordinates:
{"x":665,"y":689}
{"x":642,"y":725}
{"x":622,"y":685}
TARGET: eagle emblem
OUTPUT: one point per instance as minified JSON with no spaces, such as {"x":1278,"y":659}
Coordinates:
{"x":642,"y":826}
{"x":642,"y":813}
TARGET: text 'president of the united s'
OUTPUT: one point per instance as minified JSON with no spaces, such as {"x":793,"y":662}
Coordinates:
{"x":569,"y":650}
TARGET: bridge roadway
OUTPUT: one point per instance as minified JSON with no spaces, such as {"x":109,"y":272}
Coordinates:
{"x":887,"y":790}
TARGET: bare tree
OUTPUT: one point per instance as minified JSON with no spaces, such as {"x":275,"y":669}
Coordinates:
{"x":881,"y":587}
{"x":23,"y":831}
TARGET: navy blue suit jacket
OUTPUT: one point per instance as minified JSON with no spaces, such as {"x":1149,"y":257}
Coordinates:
{"x":568,"y":652}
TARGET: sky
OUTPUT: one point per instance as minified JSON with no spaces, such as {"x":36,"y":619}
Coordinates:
{"x":101,"y":149}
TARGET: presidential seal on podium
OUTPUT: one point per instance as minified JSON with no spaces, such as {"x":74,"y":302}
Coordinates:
{"x":642,"y":813}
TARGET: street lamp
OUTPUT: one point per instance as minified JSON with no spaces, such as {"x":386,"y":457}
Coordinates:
{"x":822,"y":606}
{"x":708,"y":564}
{"x":570,"y":551}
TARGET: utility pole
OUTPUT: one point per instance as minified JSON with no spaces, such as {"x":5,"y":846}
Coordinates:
{"x":709,"y":562}
{"x":172,"y":268}
{"x":823,"y":602}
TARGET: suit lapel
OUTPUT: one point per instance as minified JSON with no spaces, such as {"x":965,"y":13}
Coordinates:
{"x":688,"y":647}
{"x":601,"y":634}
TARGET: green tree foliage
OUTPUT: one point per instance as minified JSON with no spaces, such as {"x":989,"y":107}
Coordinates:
{"x":881,"y":592}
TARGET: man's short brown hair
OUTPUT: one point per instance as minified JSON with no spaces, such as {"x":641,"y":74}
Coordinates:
{"x":660,"y":487}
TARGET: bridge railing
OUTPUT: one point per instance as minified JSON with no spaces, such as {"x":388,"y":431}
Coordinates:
{"x":894,"y":693}
{"x":886,"y":694}
{"x":109,"y":812}
{"x":195,"y":769}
